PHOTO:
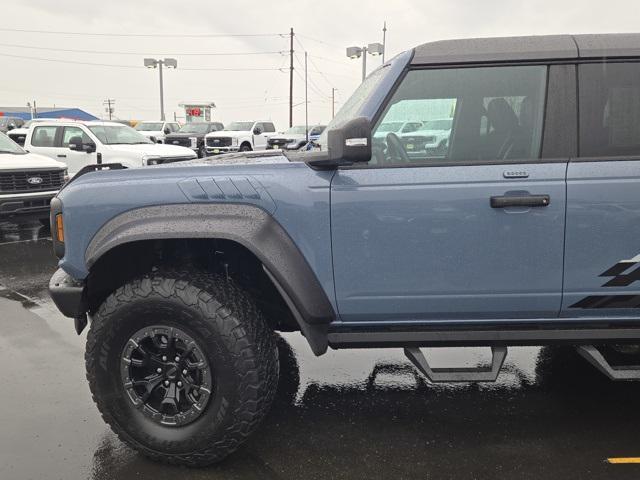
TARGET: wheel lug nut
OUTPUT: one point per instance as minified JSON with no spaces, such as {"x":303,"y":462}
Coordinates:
{"x":184,"y":372}
{"x":166,"y":383}
{"x":177,"y":358}
{"x":159,"y":370}
{"x":164,"y":358}
{"x":179,"y":384}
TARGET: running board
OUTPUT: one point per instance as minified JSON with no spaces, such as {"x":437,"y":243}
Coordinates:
{"x":595,"y":358}
{"x":447,"y":375}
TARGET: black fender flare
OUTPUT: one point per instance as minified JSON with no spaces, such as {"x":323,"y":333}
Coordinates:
{"x":247,"y":225}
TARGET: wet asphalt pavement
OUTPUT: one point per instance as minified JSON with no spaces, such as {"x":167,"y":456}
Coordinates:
{"x":363,"y":414}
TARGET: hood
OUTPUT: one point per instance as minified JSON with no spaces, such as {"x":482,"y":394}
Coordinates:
{"x":151,"y":133}
{"x":292,"y":137}
{"x":184,"y":135}
{"x":230,"y":133}
{"x":28,"y":161}
{"x":159,"y":149}
{"x":244,"y":158}
{"x":19,"y":131}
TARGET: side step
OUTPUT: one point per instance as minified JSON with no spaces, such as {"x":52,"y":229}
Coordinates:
{"x":595,"y":358}
{"x":447,"y":375}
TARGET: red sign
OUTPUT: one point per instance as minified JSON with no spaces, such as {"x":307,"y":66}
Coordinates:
{"x":194,"y":112}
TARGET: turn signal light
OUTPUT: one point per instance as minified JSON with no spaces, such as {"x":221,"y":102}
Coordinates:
{"x":59,"y":228}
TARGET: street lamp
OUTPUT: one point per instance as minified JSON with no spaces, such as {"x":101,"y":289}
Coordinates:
{"x":371,"y":49}
{"x":153,"y":63}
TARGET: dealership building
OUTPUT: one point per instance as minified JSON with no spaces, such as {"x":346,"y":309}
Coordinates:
{"x":55,"y":112}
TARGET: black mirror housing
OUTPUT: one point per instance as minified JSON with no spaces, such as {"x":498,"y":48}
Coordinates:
{"x":346,"y":145}
{"x":167,"y":131}
{"x":351,"y":142}
{"x":75,"y":144}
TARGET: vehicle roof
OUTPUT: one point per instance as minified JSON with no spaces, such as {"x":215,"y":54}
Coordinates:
{"x":543,"y":47}
{"x":82,"y":122}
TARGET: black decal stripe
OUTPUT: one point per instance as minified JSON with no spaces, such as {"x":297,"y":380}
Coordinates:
{"x":617,"y":269}
{"x":608,"y":301}
{"x":624,"y":280}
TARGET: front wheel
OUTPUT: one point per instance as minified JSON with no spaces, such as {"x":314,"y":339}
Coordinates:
{"x":245,"y":147}
{"x":182,"y":367}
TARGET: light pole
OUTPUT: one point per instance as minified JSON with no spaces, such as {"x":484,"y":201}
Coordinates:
{"x":371,"y":49}
{"x":153,"y":63}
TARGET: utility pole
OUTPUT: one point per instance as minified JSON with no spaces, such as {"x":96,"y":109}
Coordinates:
{"x":153,"y":63}
{"x":384,"y":41}
{"x":306,"y":99}
{"x":108,"y":103}
{"x":291,"y":82}
{"x":333,"y":102}
{"x":161,"y":91}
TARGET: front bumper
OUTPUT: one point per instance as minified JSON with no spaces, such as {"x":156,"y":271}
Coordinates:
{"x":68,"y":294}
{"x":26,"y":203}
{"x":221,"y":150}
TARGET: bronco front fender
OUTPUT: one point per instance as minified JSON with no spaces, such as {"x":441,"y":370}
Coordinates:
{"x":247,"y":225}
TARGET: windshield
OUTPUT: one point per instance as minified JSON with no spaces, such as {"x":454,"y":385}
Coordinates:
{"x":297,"y":130}
{"x":351,"y":107}
{"x":118,"y":135}
{"x":149,"y":126}
{"x":9,"y":146}
{"x":195,"y":128}
{"x":239,"y":126}
{"x":390,"y":127}
{"x":437,"y":125}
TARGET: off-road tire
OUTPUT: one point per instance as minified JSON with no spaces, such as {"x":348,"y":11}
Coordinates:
{"x":231,"y":332}
{"x":245,"y":147}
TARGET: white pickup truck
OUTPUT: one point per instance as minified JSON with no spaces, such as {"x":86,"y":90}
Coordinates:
{"x":240,"y":137}
{"x":78,"y":144}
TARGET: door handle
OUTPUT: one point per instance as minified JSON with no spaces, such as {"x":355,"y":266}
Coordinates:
{"x":62,"y":156}
{"x":504,"y":201}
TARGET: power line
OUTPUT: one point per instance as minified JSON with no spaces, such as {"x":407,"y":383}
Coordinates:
{"x":314,"y":64}
{"x":318,"y":41}
{"x":137,"y":67}
{"x":112,"y":52}
{"x":153,"y":35}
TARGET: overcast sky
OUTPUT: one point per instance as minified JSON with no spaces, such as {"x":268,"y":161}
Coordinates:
{"x":325,"y":28}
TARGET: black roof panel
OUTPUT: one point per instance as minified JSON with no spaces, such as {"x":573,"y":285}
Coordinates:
{"x":545,"y":47}
{"x":609,"y":45}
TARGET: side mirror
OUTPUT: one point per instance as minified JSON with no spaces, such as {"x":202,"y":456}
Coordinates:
{"x":346,"y":145}
{"x":75,"y":144}
{"x":167,"y":130}
{"x":257,"y":131}
{"x":11,"y":126}
{"x":351,"y":142}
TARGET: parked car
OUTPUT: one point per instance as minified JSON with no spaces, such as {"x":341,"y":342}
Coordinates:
{"x":28,"y":181}
{"x":295,"y":138}
{"x":157,"y":131}
{"x":525,"y":232}
{"x":9,"y":123}
{"x":19,"y":134}
{"x":192,"y":135}
{"x":432,"y":137}
{"x":240,"y":137}
{"x":78,"y":144}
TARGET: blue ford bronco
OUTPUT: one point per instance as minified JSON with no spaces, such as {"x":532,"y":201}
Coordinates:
{"x":523,"y":228}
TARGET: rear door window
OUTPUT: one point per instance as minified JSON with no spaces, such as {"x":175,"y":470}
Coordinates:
{"x":609,"y":105}
{"x":44,"y":136}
